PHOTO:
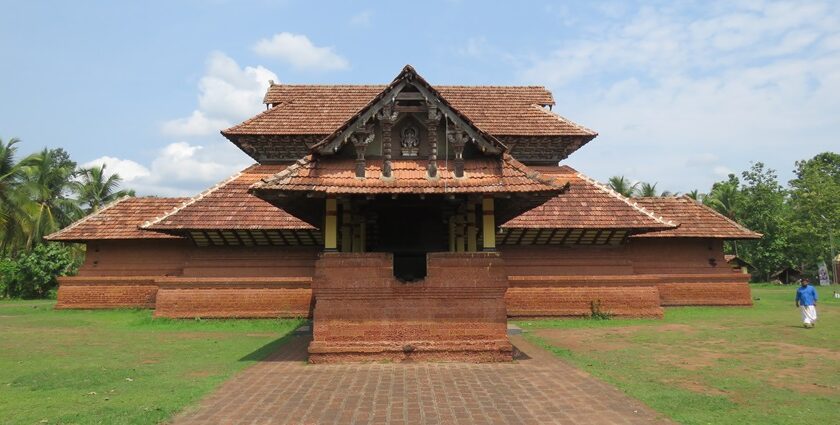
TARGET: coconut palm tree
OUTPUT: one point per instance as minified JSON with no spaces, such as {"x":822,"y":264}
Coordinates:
{"x":95,"y":189}
{"x":695,"y":194}
{"x":646,"y":190}
{"x":12,"y":215}
{"x":724,"y":199}
{"x":622,"y":185}
{"x":46,"y":181}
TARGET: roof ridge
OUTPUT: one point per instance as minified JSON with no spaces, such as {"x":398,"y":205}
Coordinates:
{"x":152,"y":222}
{"x":626,"y":200}
{"x":531,"y":173}
{"x":565,"y":120}
{"x":88,"y":217}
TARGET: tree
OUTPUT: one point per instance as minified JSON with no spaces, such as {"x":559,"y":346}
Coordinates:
{"x":46,"y":180}
{"x":695,"y":194}
{"x":646,"y":189}
{"x":815,"y":209}
{"x":622,"y":185}
{"x":94,"y":189}
{"x":12,"y":216}
{"x":725,"y":197}
{"x":760,"y":205}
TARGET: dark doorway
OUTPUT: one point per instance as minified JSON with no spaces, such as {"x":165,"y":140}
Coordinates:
{"x":410,"y":229}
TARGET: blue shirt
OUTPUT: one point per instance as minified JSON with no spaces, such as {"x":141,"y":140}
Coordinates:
{"x":806,"y":295}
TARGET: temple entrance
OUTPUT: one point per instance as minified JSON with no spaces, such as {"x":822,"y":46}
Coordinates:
{"x":409,"y":231}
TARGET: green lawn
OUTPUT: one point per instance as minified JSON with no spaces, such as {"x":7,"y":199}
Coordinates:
{"x":705,"y":365}
{"x":118,"y":366}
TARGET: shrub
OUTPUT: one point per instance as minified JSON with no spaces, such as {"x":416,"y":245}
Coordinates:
{"x":33,"y":274}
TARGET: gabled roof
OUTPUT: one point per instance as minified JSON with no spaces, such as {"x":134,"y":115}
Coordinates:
{"x":407,"y":78}
{"x":320,"y":109}
{"x":118,"y":220}
{"x":337,"y":176}
{"x":696,"y":220}
{"x":228,"y":206}
{"x":587,"y":204}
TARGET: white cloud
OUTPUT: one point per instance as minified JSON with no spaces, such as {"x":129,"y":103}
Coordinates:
{"x":196,"y":124}
{"x":298,"y":51}
{"x":361,"y":19}
{"x":179,"y":169}
{"x":228,"y":94}
{"x":683,"y":99}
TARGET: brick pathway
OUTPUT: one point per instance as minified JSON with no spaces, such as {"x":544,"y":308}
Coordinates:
{"x":536,"y":389}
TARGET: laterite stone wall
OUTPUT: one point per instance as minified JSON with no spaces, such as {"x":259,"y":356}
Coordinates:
{"x":106,"y":292}
{"x":545,"y":301}
{"x":363,"y":313}
{"x":189,"y":297}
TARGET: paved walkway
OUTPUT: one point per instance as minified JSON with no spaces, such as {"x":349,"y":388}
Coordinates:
{"x":536,"y":389}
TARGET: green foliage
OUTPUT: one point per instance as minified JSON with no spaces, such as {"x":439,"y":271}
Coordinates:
{"x":596,"y":313}
{"x":45,"y":192}
{"x":33,"y":274}
{"x":622,"y":185}
{"x":763,"y":209}
{"x":95,"y":189}
{"x":815,"y":210}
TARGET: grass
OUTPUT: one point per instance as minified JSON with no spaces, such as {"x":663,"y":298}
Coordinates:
{"x":118,"y":366}
{"x":715,"y":365}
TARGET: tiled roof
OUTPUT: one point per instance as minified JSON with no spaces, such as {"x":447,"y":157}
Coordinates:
{"x":229,"y":206}
{"x":119,"y":220}
{"x":337,"y":176}
{"x":696,"y":220}
{"x":320,"y":109}
{"x":587,"y":204}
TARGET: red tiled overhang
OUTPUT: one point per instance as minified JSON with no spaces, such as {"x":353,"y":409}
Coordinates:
{"x":696,"y":220}
{"x":119,"y":220}
{"x":337,"y":176}
{"x":229,"y":206}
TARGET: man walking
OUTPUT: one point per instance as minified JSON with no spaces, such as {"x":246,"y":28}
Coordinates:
{"x":806,"y":300}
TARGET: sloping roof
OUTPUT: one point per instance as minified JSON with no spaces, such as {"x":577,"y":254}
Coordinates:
{"x":320,"y":109}
{"x":119,"y":220}
{"x":587,"y":204}
{"x":228,"y":206}
{"x":337,"y":176}
{"x":407,"y":79}
{"x":696,"y":220}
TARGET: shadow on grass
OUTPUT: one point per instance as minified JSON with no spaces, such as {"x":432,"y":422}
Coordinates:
{"x":289,"y":348}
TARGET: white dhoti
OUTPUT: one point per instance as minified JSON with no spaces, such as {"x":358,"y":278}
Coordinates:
{"x":809,"y":314}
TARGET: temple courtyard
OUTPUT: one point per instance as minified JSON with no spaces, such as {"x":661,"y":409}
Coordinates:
{"x":697,"y":365}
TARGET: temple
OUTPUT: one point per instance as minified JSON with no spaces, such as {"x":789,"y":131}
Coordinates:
{"x":409,"y":222}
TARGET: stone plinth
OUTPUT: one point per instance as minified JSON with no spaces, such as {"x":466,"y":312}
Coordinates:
{"x":363,"y":313}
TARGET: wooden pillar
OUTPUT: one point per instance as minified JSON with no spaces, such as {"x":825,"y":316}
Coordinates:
{"x":452,"y":233}
{"x":358,"y":233}
{"x":331,"y":226}
{"x":472,"y":229}
{"x":346,"y":226}
{"x":489,"y":224}
{"x":460,"y":231}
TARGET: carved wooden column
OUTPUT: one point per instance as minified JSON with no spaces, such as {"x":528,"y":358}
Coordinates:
{"x":431,"y":129}
{"x":458,"y":139}
{"x":386,"y":118}
{"x":361,"y":140}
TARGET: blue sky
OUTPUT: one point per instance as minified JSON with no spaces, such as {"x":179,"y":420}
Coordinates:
{"x":682,"y":93}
